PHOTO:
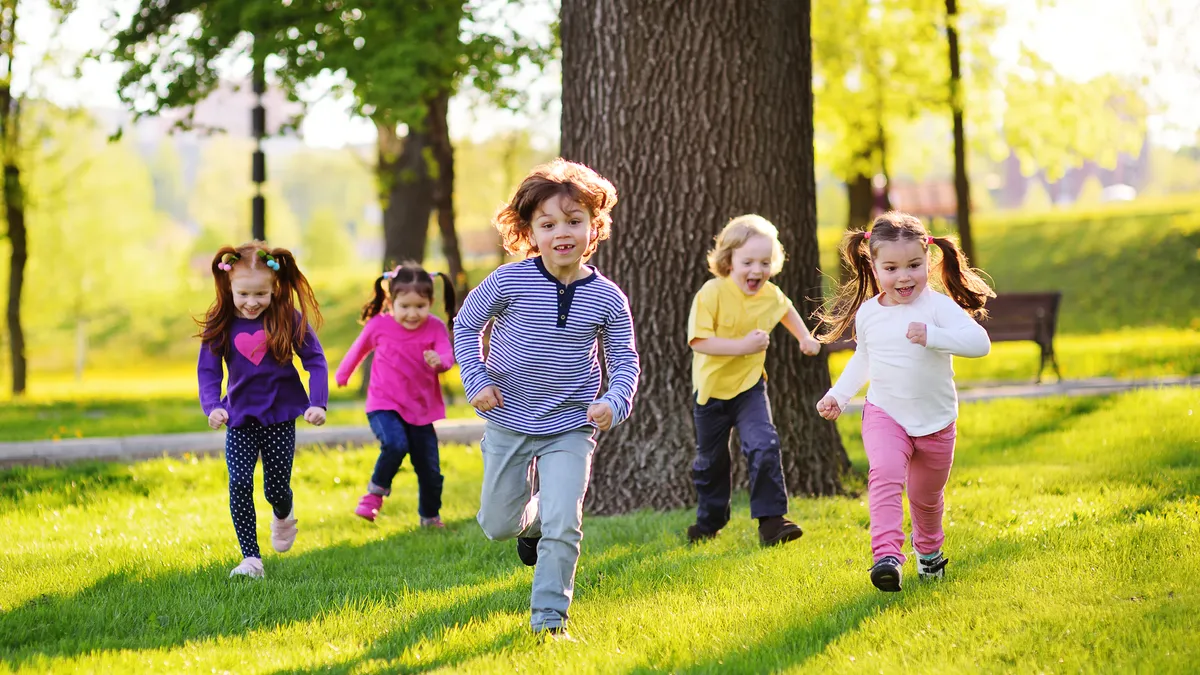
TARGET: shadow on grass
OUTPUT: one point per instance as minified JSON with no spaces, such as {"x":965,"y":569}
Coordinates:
{"x":33,"y":487}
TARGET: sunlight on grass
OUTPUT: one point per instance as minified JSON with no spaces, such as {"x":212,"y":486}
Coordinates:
{"x":1072,"y":527}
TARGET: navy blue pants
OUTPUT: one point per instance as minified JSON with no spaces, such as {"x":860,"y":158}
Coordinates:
{"x":750,"y":412}
{"x":398,"y":438}
{"x":277,"y":445}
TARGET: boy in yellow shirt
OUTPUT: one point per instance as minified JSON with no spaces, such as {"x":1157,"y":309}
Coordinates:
{"x":728,"y":330}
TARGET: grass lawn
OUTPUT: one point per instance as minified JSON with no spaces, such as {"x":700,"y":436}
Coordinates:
{"x":1072,"y":532}
{"x":119,"y":404}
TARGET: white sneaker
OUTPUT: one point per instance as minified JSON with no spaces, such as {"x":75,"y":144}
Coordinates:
{"x":250,"y":567}
{"x":931,"y":566}
{"x":283,"y":531}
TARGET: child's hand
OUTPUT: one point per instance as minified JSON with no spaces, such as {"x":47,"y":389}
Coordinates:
{"x":809,"y":346}
{"x":916,"y":333}
{"x":756,"y":341}
{"x":217,"y":417}
{"x":487,"y":399}
{"x":600,"y":414}
{"x":828,"y":408}
{"x":315,"y":416}
{"x":342,"y":383}
{"x":432,"y":358}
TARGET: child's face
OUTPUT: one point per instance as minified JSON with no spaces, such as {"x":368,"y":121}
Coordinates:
{"x":252,"y":289}
{"x":410,"y":309}
{"x":561,"y":231}
{"x":750,"y":265}
{"x":902,"y":269}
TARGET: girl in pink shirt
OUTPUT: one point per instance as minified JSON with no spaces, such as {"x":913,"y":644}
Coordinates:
{"x":404,"y":397}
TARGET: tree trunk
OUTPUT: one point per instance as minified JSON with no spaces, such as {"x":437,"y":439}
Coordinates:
{"x":443,"y":152}
{"x":694,"y":127}
{"x":962,"y":187}
{"x":862,"y":200}
{"x":407,"y":191}
{"x":14,"y":197}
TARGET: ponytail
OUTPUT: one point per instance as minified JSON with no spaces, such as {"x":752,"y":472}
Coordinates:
{"x":451,"y":305}
{"x":960,"y":280}
{"x":375,"y":304}
{"x":838,"y":314}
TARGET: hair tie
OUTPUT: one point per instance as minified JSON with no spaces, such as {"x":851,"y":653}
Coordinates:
{"x":867,"y":234}
{"x":392,"y":273}
{"x":227,"y":261}
{"x":270,"y":259}
{"x":929,"y":240}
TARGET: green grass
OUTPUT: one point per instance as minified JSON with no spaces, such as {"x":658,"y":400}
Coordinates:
{"x":1128,"y":354}
{"x":1072,"y":529}
{"x":117,"y":404}
{"x":1122,"y":266}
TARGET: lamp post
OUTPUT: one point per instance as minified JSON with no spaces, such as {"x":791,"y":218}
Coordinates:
{"x":258,"y":171}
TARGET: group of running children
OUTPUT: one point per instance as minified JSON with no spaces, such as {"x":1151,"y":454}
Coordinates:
{"x":536,"y":378}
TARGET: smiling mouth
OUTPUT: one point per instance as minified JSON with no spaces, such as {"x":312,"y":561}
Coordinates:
{"x":753,"y":284}
{"x":905,"y":291}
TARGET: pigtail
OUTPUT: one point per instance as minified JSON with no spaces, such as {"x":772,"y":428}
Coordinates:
{"x":287,"y":325}
{"x":962,"y":282}
{"x":214,"y":327}
{"x":375,"y":305}
{"x":451,"y":305}
{"x":838,"y":314}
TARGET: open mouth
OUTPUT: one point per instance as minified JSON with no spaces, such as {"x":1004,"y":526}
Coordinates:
{"x":564,"y":248}
{"x":905,"y":291}
{"x":753,"y":285}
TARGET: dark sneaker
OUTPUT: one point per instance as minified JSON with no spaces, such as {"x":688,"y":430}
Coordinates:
{"x":777,"y":530}
{"x":931,"y":567}
{"x":527,"y":550}
{"x":885,"y":574}
{"x":697,"y":534}
{"x":554,"y":634}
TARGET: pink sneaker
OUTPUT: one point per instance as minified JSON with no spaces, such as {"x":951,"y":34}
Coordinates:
{"x":283,"y":532}
{"x":368,"y":506}
{"x":435,"y":521}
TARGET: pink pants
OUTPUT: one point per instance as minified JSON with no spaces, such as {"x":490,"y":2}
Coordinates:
{"x":923,"y":462}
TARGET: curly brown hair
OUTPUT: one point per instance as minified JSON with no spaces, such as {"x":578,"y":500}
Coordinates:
{"x":557,"y":178}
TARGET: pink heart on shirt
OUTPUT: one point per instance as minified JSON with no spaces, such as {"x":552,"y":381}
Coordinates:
{"x":252,"y":345}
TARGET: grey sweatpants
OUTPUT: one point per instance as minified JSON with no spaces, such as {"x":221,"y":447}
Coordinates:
{"x":509,"y":508}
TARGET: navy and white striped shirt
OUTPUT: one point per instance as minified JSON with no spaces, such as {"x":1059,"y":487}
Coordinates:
{"x":543,"y":349}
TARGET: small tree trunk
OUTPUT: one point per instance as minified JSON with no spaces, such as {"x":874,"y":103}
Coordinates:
{"x":962,"y":186}
{"x":407,"y":194}
{"x":443,"y":152}
{"x":14,"y":196}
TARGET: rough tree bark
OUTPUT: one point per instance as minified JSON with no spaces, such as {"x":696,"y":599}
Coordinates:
{"x":697,"y":111}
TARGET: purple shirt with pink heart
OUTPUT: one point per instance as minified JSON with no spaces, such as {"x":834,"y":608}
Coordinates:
{"x":260,"y":388}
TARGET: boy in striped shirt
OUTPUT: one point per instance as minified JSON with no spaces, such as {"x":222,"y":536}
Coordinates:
{"x":538,"y":385}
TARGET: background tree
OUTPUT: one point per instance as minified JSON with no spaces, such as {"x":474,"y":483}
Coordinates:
{"x":741,"y":72}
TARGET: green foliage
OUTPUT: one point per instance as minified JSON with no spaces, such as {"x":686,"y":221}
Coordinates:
{"x":123,"y":568}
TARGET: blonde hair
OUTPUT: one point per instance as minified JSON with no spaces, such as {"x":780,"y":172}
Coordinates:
{"x":735,"y":234}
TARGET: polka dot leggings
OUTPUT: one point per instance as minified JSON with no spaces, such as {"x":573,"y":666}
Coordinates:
{"x":277,"y":443}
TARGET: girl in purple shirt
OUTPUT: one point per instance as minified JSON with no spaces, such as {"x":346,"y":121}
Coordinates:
{"x":404,"y":397}
{"x":254,"y":327}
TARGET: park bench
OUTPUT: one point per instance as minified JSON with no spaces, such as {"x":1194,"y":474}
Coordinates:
{"x":1013,"y":317}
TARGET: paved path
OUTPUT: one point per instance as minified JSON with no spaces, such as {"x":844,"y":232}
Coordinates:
{"x":129,"y":448}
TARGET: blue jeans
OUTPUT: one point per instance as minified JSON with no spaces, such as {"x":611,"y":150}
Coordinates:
{"x":398,"y":438}
{"x":750,"y":412}
{"x":509,"y":508}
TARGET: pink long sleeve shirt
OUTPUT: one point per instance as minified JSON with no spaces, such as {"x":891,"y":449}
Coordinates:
{"x":400,"y":378}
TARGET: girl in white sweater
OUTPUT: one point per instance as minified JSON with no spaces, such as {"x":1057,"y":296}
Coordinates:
{"x":906,"y":334}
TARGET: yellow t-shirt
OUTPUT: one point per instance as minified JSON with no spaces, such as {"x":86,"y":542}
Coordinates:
{"x":723,"y":310}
